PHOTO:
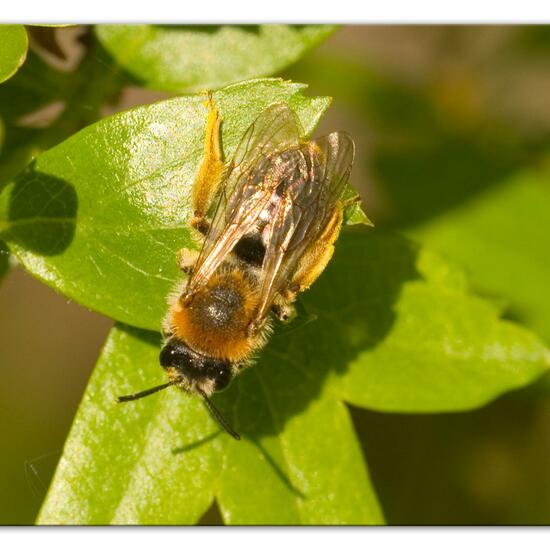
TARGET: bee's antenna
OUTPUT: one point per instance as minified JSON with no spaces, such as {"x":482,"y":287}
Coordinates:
{"x":143,"y":393}
{"x":218,"y":415}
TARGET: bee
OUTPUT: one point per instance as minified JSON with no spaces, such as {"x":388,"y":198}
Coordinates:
{"x":269,"y":219}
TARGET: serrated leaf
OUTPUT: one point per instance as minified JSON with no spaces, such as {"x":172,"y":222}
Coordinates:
{"x":13,"y":50}
{"x":195,"y":58}
{"x":163,"y":460}
{"x":101,"y":216}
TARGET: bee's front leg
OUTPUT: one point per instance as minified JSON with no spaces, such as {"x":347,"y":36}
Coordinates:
{"x":211,"y":170}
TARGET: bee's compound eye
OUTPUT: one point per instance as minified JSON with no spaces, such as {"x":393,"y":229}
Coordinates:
{"x":221,"y":374}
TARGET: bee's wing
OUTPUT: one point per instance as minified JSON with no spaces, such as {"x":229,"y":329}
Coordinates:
{"x":315,"y":181}
{"x":246,"y":190}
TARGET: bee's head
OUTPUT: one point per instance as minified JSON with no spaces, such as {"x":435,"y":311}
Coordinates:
{"x":208,"y":373}
{"x":204,"y":376}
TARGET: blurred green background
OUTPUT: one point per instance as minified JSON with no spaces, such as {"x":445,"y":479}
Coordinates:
{"x":452,"y":126}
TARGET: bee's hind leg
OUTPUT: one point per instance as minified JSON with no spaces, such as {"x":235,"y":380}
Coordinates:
{"x":283,"y":310}
{"x":211,"y":170}
{"x":315,"y":258}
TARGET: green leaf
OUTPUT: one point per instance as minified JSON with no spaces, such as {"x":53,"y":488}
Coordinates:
{"x":354,"y":215}
{"x":76,"y":97}
{"x":395,"y":329}
{"x":195,"y":58}
{"x":427,"y":345}
{"x":13,"y":52}
{"x":101,"y":216}
{"x":118,"y":466}
{"x":353,"y":211}
{"x":163,"y":460}
{"x":501,"y":236}
{"x":36,"y":85}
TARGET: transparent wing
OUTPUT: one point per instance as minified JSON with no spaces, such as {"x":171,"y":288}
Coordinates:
{"x":247,"y":187}
{"x":315,"y":178}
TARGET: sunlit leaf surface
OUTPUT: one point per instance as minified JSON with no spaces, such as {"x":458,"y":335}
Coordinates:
{"x":193,"y":58}
{"x":163,"y":460}
{"x":101,"y":216}
{"x":375,"y":341}
{"x":13,"y":49}
{"x":502,"y":239}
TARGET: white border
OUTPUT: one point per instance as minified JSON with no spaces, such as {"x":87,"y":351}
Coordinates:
{"x":276,"y":11}
{"x":287,"y":11}
{"x":228,"y":538}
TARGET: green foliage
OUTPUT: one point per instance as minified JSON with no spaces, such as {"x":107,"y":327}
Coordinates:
{"x":453,"y":176}
{"x":447,"y":349}
{"x":37,"y":86}
{"x":502,"y":237}
{"x":195,"y":58}
{"x":390,"y":325}
{"x":280,"y":473}
{"x":375,"y":341}
{"x":353,"y":212}
{"x":101,"y":216}
{"x":14,"y":41}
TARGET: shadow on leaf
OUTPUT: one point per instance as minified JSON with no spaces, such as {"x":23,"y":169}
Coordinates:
{"x":349,"y":310}
{"x":196,"y":444}
{"x":354,"y":304}
{"x":279,"y":472}
{"x":425,"y":181}
{"x":42,"y":211}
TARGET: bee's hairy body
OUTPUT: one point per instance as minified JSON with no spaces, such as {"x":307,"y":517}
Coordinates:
{"x":215,"y":323}
{"x":271,"y":234}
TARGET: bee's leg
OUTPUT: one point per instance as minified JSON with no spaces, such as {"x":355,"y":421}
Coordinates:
{"x":186,"y":258}
{"x":211,"y":169}
{"x":283,"y":310}
{"x":316,"y":257}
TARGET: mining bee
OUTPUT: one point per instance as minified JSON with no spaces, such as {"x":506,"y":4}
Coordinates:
{"x":269,"y":219}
